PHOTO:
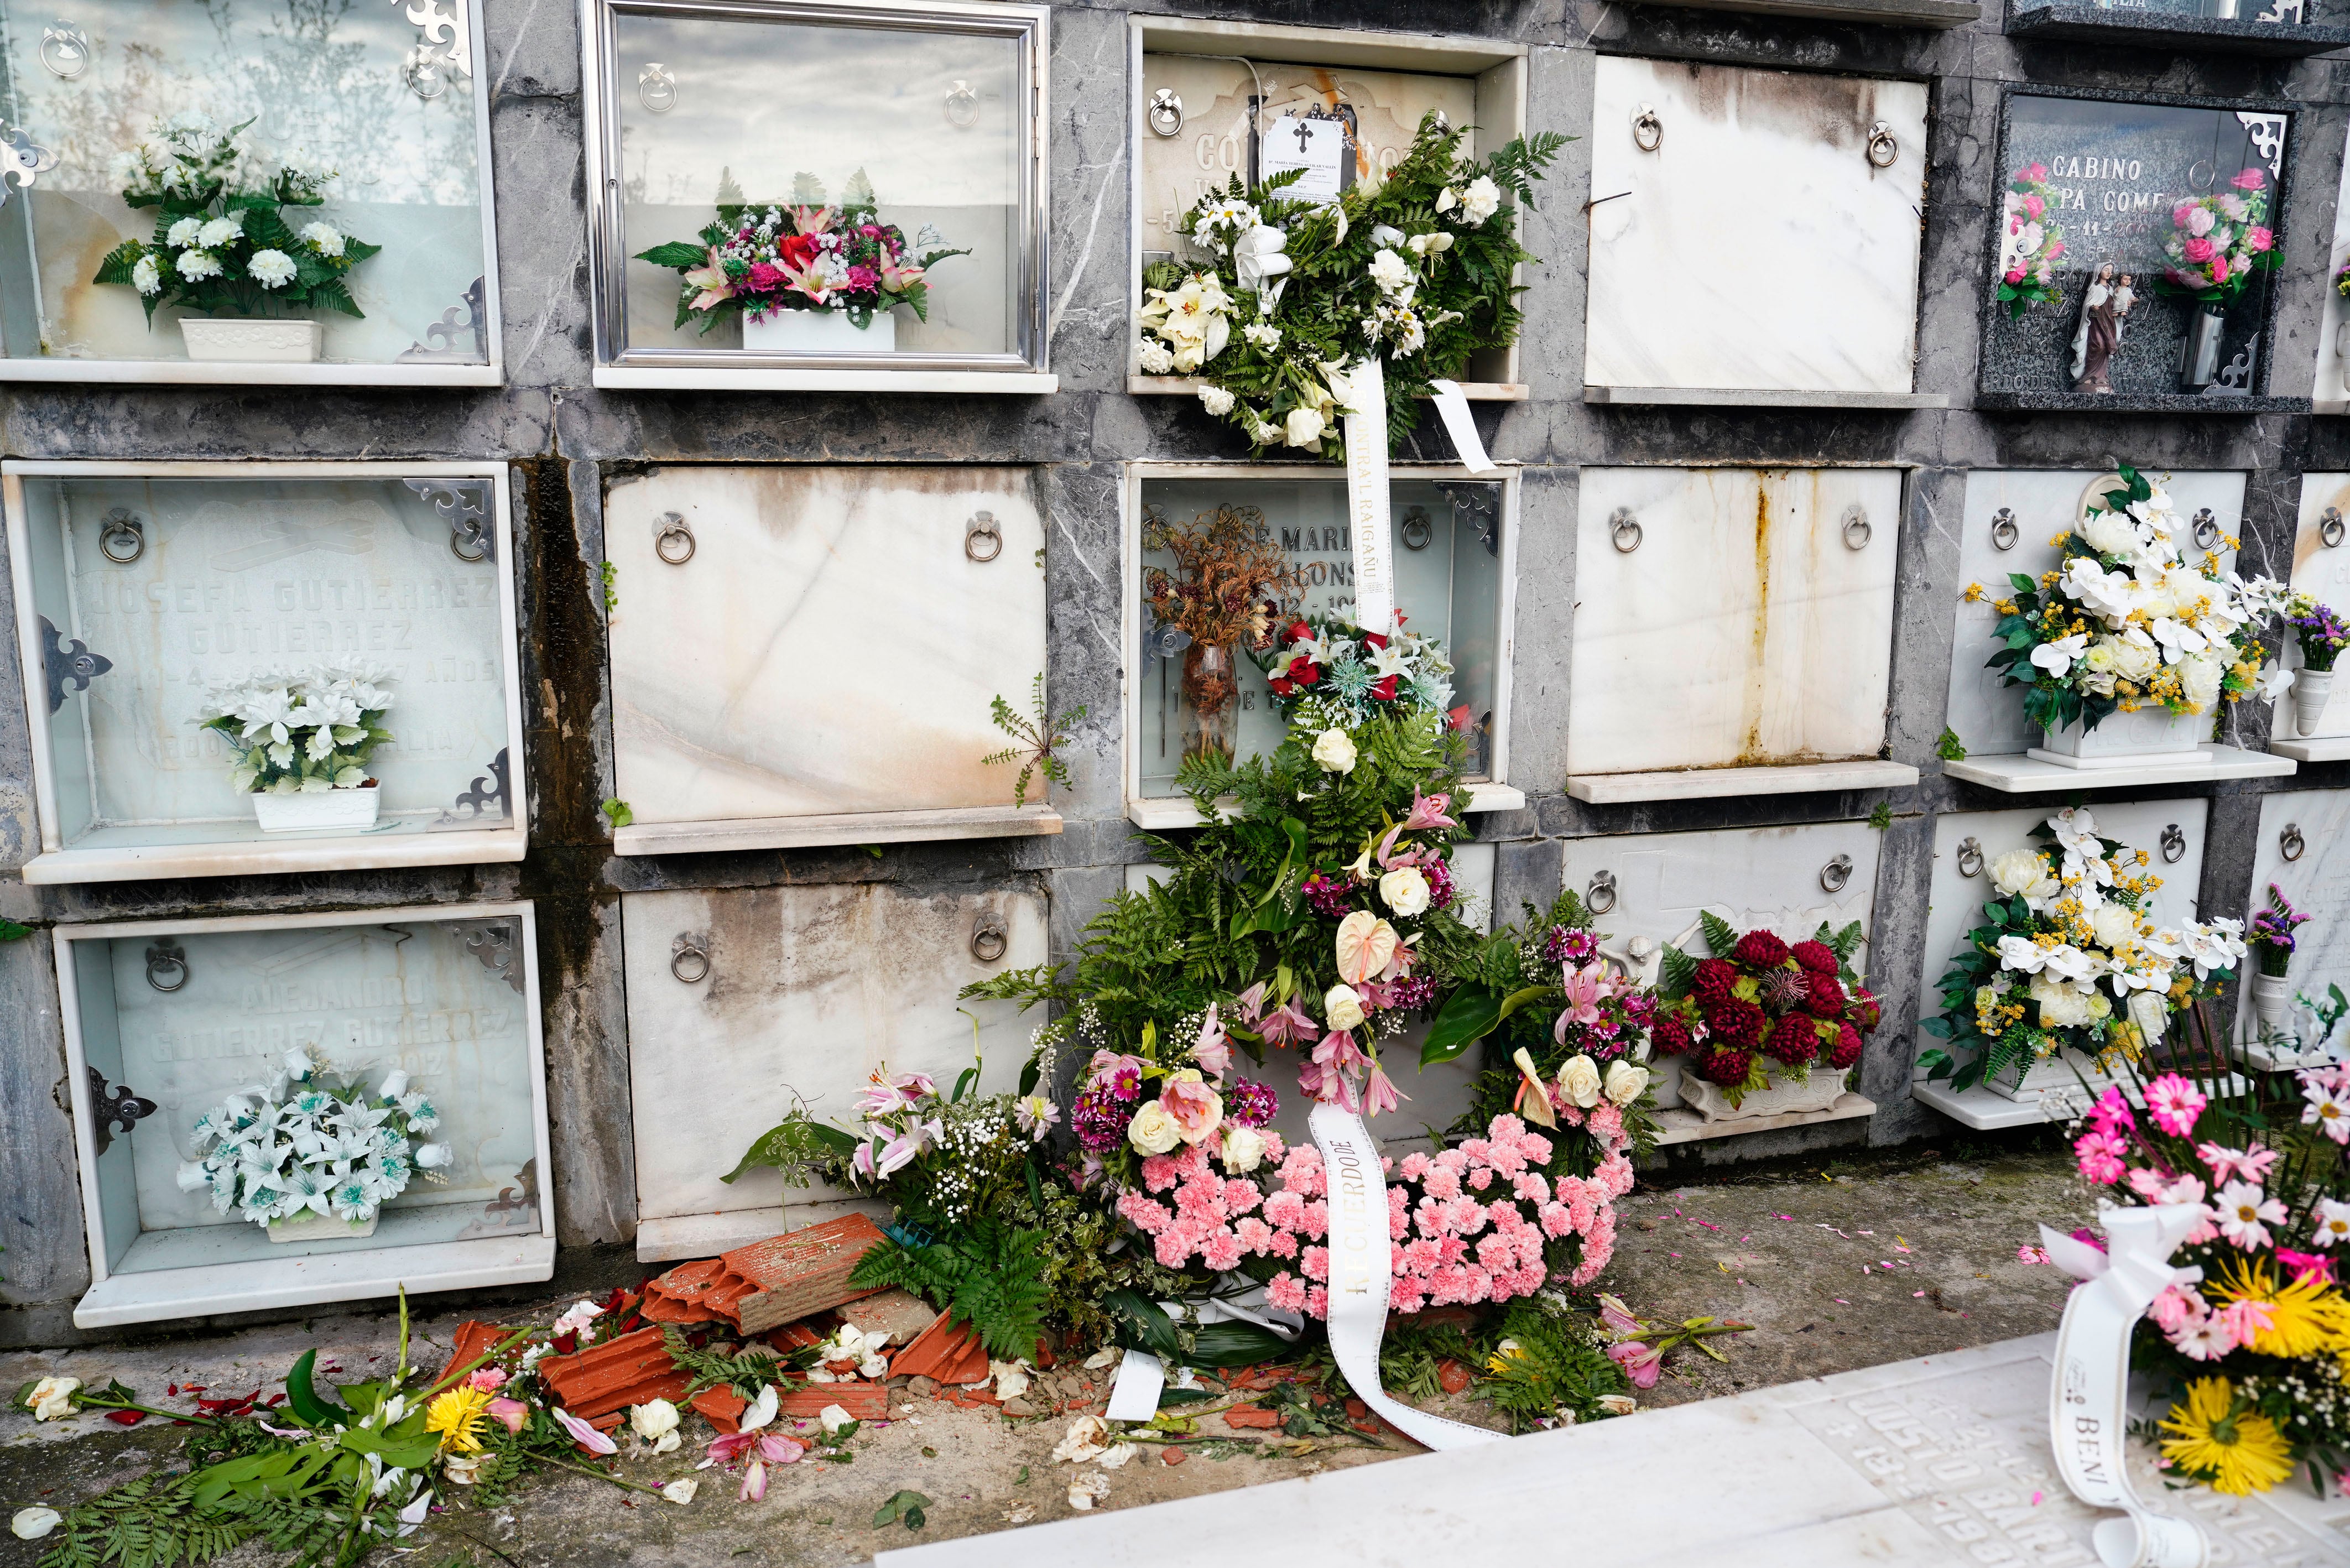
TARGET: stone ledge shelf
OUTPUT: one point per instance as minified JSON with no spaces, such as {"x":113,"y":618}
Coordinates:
{"x":1687,"y":1126}
{"x":1935,"y":14}
{"x":2323,"y":749}
{"x":2264,"y":1059}
{"x":1189,"y":386}
{"x":848,"y":827}
{"x":254,"y":1284}
{"x":268,"y":857}
{"x":1706,"y":784}
{"x":1758,"y":398}
{"x":1985,"y":1110}
{"x":650,"y":377}
{"x":1157,"y":816}
{"x":2022,"y":774}
{"x":2169,"y":30}
{"x":707,"y":1235}
{"x":2133,"y":403}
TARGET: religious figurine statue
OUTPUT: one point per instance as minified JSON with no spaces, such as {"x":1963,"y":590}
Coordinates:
{"x":2103,"y":309}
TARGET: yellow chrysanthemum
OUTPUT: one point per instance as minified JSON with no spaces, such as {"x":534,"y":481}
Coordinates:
{"x":457,"y":1416}
{"x":2307,"y":1317}
{"x":2238,"y":1454}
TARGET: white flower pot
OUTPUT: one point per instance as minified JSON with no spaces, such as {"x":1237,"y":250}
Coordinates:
{"x":2272,"y":1003}
{"x":252,"y":340}
{"x":2054,"y":1082}
{"x":819,"y":332}
{"x":320,"y":1228}
{"x":344,"y":810}
{"x":1666,"y":1077}
{"x":2311,"y":688}
{"x":2125,"y":739}
{"x":1822,"y":1089}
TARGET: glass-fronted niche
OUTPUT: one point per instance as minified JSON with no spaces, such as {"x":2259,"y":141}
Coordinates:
{"x":2134,"y":254}
{"x":856,"y":192}
{"x":1454,"y":551}
{"x":271,"y":190}
{"x":427,"y":1019}
{"x":250,"y":668}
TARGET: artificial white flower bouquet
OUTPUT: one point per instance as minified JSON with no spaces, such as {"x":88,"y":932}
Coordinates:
{"x":304,"y":732}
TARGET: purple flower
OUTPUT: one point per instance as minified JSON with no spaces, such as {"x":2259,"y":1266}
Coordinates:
{"x":1568,"y":944}
{"x":1251,"y":1104}
{"x":1440,"y":890}
{"x":1099,"y":1119}
{"x":1417,"y":991}
{"x":1327,"y":896}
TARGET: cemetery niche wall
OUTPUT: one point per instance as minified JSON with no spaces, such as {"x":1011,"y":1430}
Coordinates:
{"x":2313,"y":725}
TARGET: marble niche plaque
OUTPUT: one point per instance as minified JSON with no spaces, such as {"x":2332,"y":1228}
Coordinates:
{"x":2115,"y":170}
{"x":797,"y":650}
{"x":2320,"y":567}
{"x":1753,"y":231}
{"x":2304,"y":848}
{"x":181,"y":1016}
{"x":1753,"y":605}
{"x":746,"y":1003}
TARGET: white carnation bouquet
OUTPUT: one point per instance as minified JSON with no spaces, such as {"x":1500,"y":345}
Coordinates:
{"x":303,"y":732}
{"x":305,"y":1143}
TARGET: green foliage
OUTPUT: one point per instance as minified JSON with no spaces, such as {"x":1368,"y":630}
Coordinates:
{"x":905,"y":1507}
{"x":1719,"y":935}
{"x":1558,"y":1365}
{"x":988,"y":1275}
{"x":1143,"y":1324}
{"x":1038,"y":739}
{"x":806,"y":1151}
{"x":1950,"y":748}
{"x":619,"y":813}
{"x":746,"y":1372}
{"x":611,"y":588}
{"x":1881,"y":817}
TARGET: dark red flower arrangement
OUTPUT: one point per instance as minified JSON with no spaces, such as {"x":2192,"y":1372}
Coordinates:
{"x":1759,"y":1005}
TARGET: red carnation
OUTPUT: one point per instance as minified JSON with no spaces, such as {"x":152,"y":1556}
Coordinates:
{"x":1728,"y":1068}
{"x":1794,"y":1040}
{"x":1760,"y":949}
{"x":1384,"y":689}
{"x":1714,"y":979}
{"x":1817,"y":957}
{"x":1865,"y":1008}
{"x":1827,"y":1000}
{"x":1737,"y":1022}
{"x":1846,"y":1049}
{"x":1669,"y":1036}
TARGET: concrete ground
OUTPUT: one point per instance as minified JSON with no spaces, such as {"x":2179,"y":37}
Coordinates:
{"x":1839,"y":1261}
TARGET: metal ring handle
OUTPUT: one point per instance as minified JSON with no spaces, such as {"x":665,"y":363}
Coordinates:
{"x":166,"y":954}
{"x":64,"y":50}
{"x":1836,"y":873}
{"x":657,"y":87}
{"x":2005,"y":533}
{"x":2290,"y":843}
{"x":1647,"y":130}
{"x":1883,"y":147}
{"x":2330,"y":527}
{"x":989,"y":940}
{"x":1418,"y":530}
{"x":1624,"y":529}
{"x":1165,"y":114}
{"x":672,"y":527}
{"x":2207,"y":530}
{"x":2173,"y":844}
{"x":982,"y":526}
{"x":1970,"y":857}
{"x":1857,"y":531}
{"x":121,"y":524}
{"x":478,"y":536}
{"x":1600,"y":896}
{"x":961,"y":107}
{"x":690,"y":951}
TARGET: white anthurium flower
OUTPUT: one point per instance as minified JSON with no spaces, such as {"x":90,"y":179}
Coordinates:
{"x":1260,"y":255}
{"x":2057,"y":657}
{"x":1435,"y":243}
{"x":1387,"y":237}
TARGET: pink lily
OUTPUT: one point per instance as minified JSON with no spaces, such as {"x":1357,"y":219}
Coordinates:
{"x":886,"y":1094}
{"x":1286,"y":1025}
{"x":1585,"y":992}
{"x":812,"y":220}
{"x":1327,"y":1085}
{"x":1212,"y":1050}
{"x":1640,"y":1364}
{"x":1616,"y":1317}
{"x":901,"y":1150}
{"x":585,"y":1436}
{"x":1250,"y":1004}
{"x":1428,"y":812}
{"x":1380,"y":1094}
{"x":1338,"y":1050}
{"x":899,"y":279}
{"x":513,"y":1412}
{"x":1389,"y":858}
{"x":713,"y":281}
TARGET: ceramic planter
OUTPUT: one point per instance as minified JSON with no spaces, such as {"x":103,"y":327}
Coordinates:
{"x":819,"y":332}
{"x":2125,"y":739}
{"x":1823,"y":1088}
{"x":250,"y":339}
{"x":345,"y":810}
{"x":2272,"y":1003}
{"x":320,"y":1228}
{"x":2311,"y":688}
{"x":2055,"y":1079}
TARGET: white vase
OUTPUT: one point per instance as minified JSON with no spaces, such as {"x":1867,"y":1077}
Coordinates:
{"x":2124,"y":740}
{"x":2272,"y":1003}
{"x":819,"y":332}
{"x":1823,"y":1088}
{"x":250,"y":339}
{"x":346,"y":810}
{"x":2311,"y":688}
{"x":315,"y":1226}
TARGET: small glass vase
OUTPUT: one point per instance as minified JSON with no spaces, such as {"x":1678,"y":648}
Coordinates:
{"x":1210,"y":705}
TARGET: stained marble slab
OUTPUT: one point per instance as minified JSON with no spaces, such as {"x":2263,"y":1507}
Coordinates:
{"x":1756,"y":246}
{"x":1744,"y":613}
{"x":2041,"y":506}
{"x":810,"y":992}
{"x":831,"y":646}
{"x":2322,"y":569}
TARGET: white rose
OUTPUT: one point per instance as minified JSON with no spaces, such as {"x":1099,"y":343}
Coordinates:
{"x":653,"y":1420}
{"x":1243,"y":1148}
{"x":1335,"y":750}
{"x":1305,"y":426}
{"x":1578,"y":1080}
{"x":432,"y":1156}
{"x":1482,"y":200}
{"x":1153,"y":1131}
{"x":1342,"y":1007}
{"x":1405,"y":890}
{"x":2199,"y":678}
{"x":2137,"y":661}
{"x":52,"y":1398}
{"x":2024,"y":871}
{"x":2114,"y":925}
{"x":2063,"y":1005}
{"x":1626,"y":1082}
{"x":2151,"y":1013}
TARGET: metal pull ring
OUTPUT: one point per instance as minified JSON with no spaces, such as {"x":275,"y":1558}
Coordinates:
{"x":1970,"y":857}
{"x":690,"y":953}
{"x":1856,"y":530}
{"x":1600,"y":897}
{"x":1418,"y":530}
{"x":961,"y":107}
{"x":657,"y":87}
{"x":2005,"y":533}
{"x":2330,"y":528}
{"x":982,"y":526}
{"x":989,"y":940}
{"x":667,"y":533}
{"x":1165,"y":114}
{"x":64,"y":50}
{"x":2173,"y":844}
{"x":167,"y":957}
{"x":1883,"y":147}
{"x":1647,"y":130}
{"x":2290,"y":843}
{"x":1836,"y":873}
{"x":469,"y":539}
{"x":1624,"y":529}
{"x":123,"y":537}
{"x":2207,"y":530}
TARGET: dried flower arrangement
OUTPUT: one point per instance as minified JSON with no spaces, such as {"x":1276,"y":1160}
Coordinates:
{"x":1231,"y":581}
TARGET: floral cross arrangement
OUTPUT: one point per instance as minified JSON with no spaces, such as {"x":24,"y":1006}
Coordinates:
{"x":2029,"y":242}
{"x":2270,"y":936}
{"x":305,"y":733}
{"x":1759,"y":1010}
{"x":2126,"y":622}
{"x":2069,"y":959}
{"x":221,"y":244}
{"x":305,"y":1143}
{"x":760,"y":258}
{"x":1418,"y":268}
{"x":2318,"y":630}
{"x":2219,"y":241}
